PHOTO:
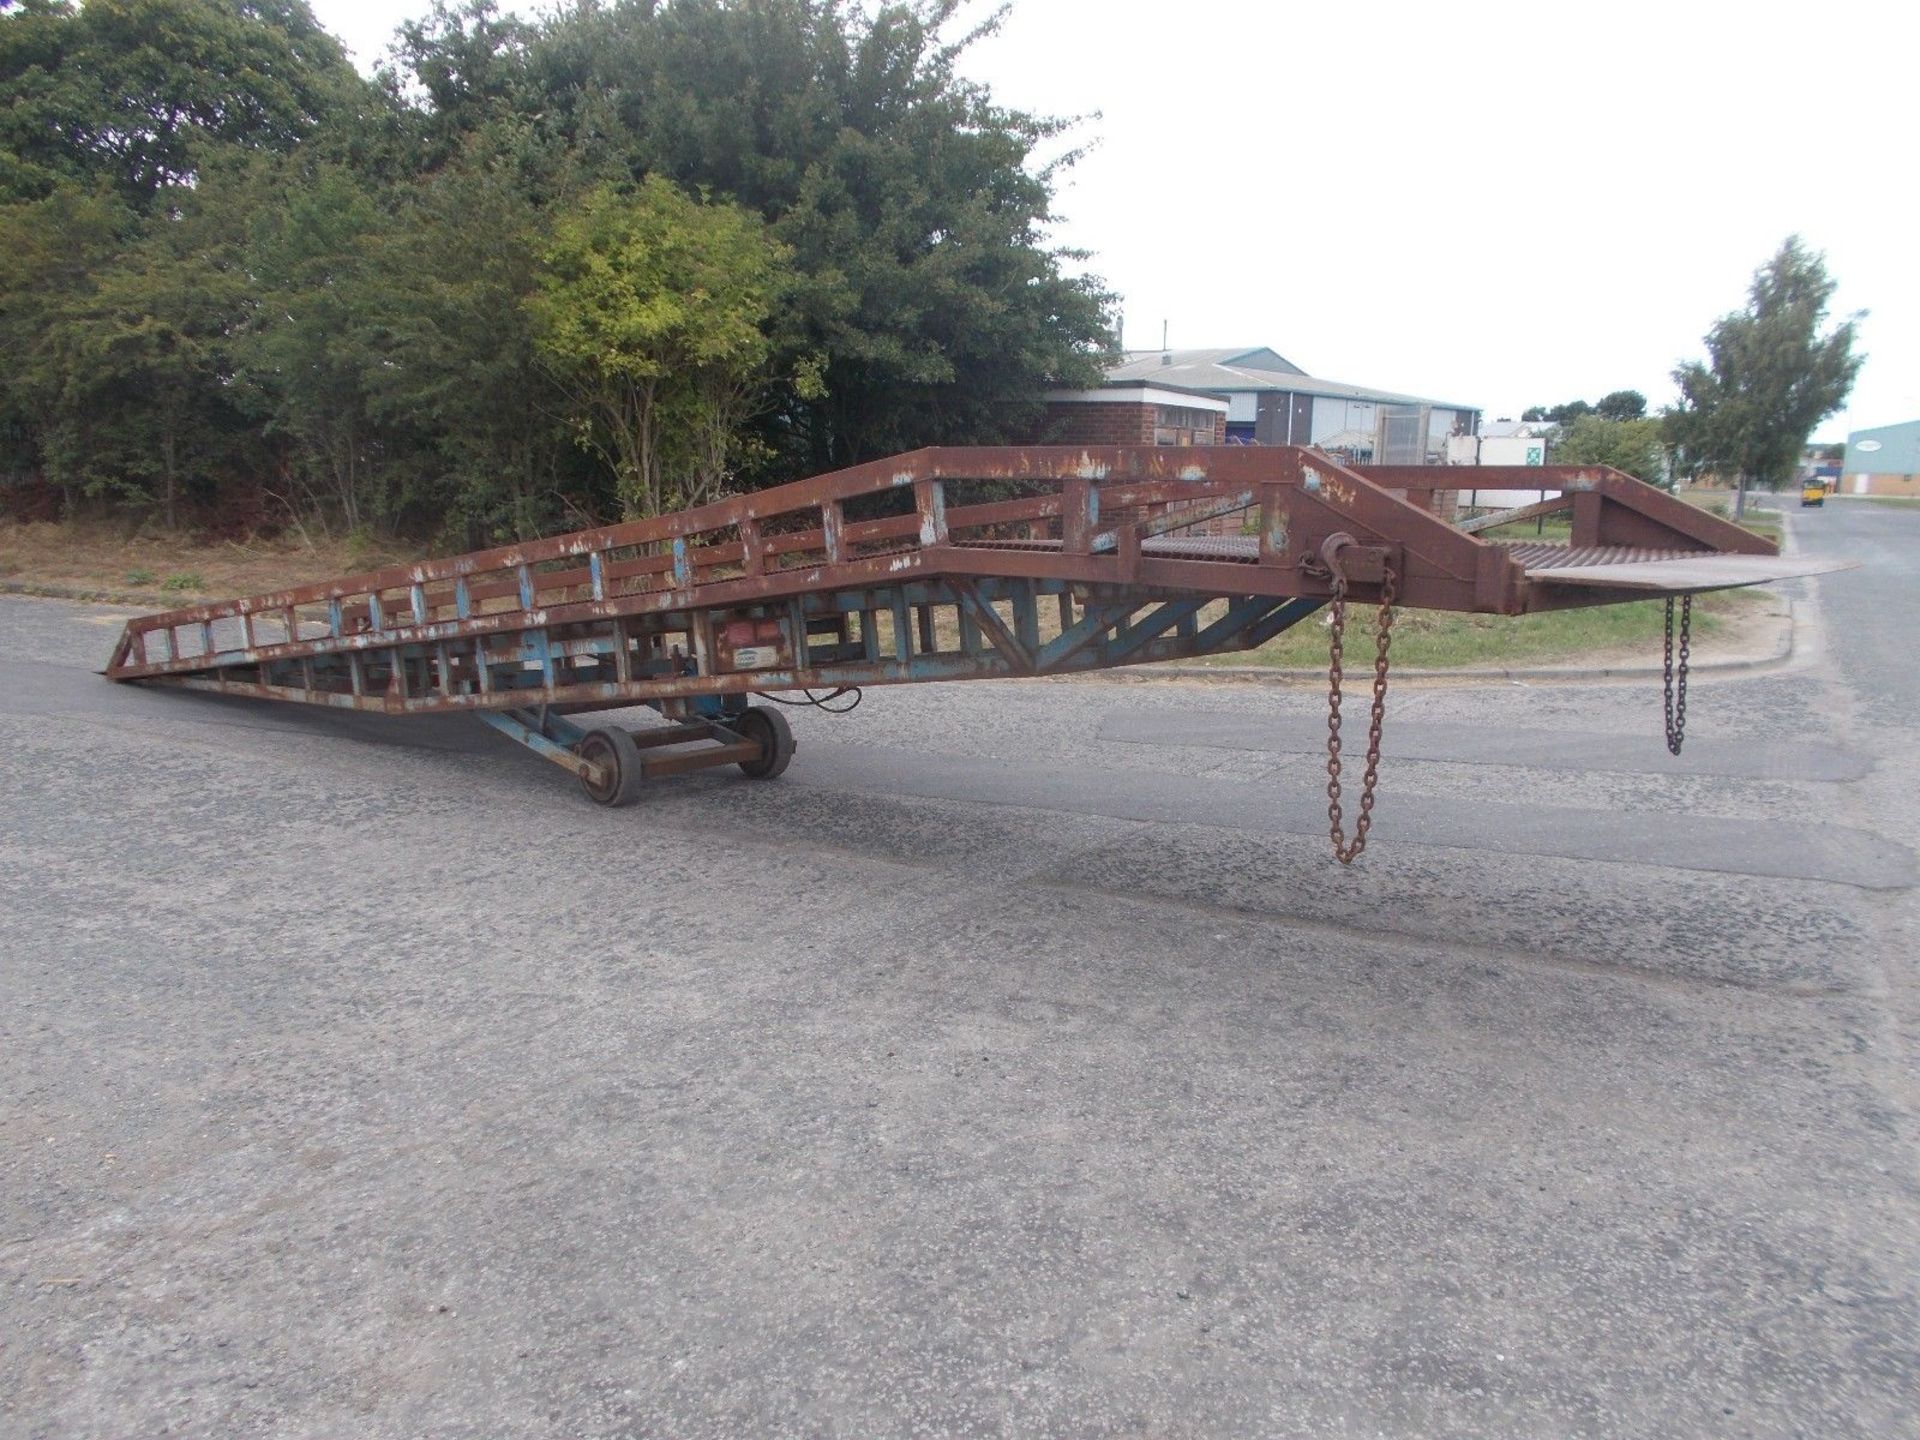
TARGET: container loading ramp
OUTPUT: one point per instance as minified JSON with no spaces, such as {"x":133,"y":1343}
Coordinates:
{"x":940,"y":564}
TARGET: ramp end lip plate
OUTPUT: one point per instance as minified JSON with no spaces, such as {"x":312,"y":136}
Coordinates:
{"x":1703,"y":572}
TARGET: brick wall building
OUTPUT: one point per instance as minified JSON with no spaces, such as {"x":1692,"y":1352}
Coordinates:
{"x":1135,"y":415}
{"x":1145,"y":413}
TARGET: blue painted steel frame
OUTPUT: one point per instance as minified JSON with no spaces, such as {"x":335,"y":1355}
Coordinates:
{"x":667,"y":658}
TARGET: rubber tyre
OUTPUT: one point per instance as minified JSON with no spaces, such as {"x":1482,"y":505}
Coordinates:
{"x":768,"y":729}
{"x":614,"y":748}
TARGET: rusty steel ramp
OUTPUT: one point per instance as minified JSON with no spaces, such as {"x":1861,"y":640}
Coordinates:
{"x":941,"y":564}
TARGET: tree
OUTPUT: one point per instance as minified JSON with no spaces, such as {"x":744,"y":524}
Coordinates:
{"x":923,"y":283}
{"x":228,"y":263}
{"x":1635,"y":446}
{"x":147,"y":399}
{"x":54,"y":248}
{"x":1558,"y":414}
{"x":471,"y":63}
{"x":135,"y":92}
{"x":315,"y":353}
{"x":1771,"y":375}
{"x":1621,"y":405}
{"x":650,"y":310}
{"x":459,"y":366}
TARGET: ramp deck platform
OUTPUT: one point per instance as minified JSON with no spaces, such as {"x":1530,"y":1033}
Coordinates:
{"x":940,"y":564}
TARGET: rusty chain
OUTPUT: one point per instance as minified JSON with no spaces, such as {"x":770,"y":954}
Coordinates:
{"x":1675,"y":692}
{"x":1346,"y":851}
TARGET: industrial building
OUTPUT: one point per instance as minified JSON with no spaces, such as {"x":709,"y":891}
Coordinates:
{"x":1254,"y":396}
{"x":1882,"y":461}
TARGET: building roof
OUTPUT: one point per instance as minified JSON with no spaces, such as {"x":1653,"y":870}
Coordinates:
{"x":1139,"y":363}
{"x":1148,"y":391}
{"x":1231,"y":371}
{"x":1884,"y":450}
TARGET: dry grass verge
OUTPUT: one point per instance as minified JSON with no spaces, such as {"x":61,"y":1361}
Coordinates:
{"x":143,"y":567}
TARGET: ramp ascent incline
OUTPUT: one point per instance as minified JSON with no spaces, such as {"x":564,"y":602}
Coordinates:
{"x":939,"y":564}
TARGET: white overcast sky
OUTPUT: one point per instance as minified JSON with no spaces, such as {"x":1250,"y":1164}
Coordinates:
{"x":1498,"y":204}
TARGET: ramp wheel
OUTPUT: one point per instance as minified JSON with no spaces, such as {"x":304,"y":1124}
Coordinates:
{"x":768,"y":729}
{"x":614,"y":751}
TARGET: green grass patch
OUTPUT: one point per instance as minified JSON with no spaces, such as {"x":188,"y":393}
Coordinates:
{"x":184,"y":582}
{"x":1558,"y":529}
{"x":1441,"y":640}
{"x":1553,"y":529}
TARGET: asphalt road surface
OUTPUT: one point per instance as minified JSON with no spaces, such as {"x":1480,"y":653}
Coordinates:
{"x":1020,"y":1064}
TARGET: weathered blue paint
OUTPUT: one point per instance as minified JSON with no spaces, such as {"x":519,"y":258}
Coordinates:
{"x":1284,"y":617}
{"x":1240,"y":614}
{"x":969,"y":632}
{"x":1089,"y":627}
{"x":985,"y":621}
{"x":902,"y":625}
{"x":1157,"y":622}
{"x":514,"y":726}
{"x":1026,"y":617}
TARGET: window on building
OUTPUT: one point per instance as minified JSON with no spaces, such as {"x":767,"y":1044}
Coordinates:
{"x":1182,"y":425}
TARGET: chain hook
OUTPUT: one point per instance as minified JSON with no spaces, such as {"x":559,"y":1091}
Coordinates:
{"x":1344,"y":850}
{"x":1674,"y":692}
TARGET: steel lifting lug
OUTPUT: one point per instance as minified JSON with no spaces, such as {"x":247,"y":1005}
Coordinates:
{"x":1352,"y":563}
{"x":1330,"y":556}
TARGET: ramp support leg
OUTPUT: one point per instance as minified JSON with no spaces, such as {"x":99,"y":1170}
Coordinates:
{"x":551,"y":737}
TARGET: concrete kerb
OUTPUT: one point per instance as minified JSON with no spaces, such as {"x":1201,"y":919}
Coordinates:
{"x":82,"y":596}
{"x":1783,"y":650}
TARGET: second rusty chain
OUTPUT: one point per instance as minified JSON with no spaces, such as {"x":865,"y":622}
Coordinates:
{"x":1344,"y":850}
{"x":1675,"y":689}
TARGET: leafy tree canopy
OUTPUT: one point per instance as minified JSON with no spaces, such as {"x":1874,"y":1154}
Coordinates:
{"x":1617,"y":405}
{"x":909,"y":199}
{"x":1772,"y":373}
{"x":1556,"y":414}
{"x":1621,"y":405}
{"x":131,"y":93}
{"x":1635,"y":446}
{"x":399,"y":302}
{"x":650,"y":310}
